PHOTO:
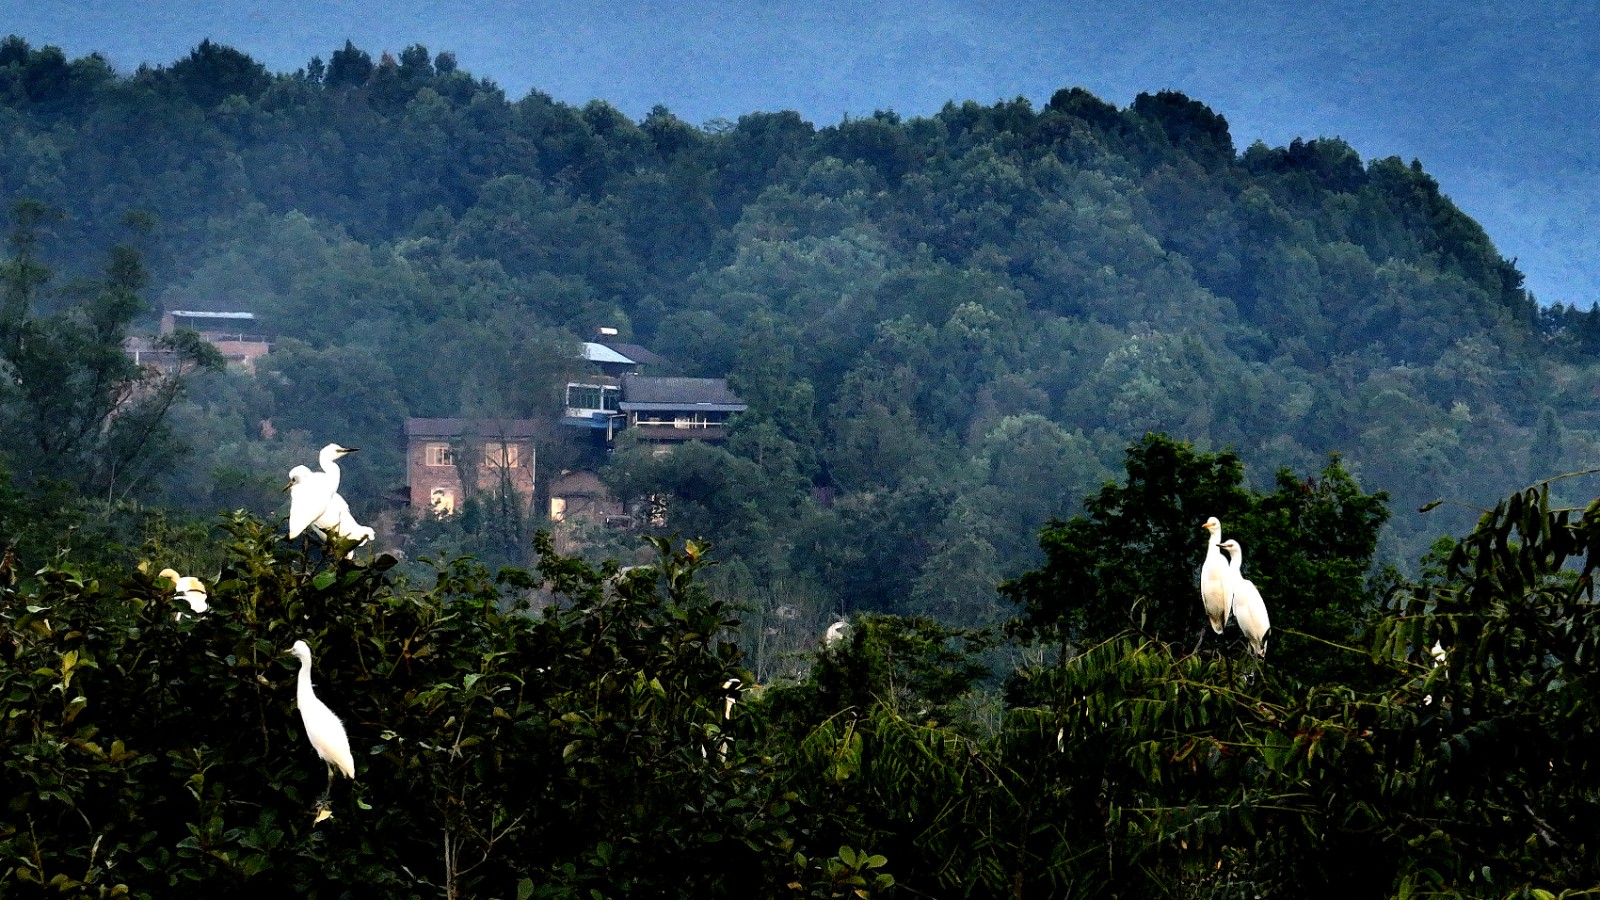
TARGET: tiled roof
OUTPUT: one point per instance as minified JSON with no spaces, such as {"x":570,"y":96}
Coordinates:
{"x":206,"y":314}
{"x":577,"y":484}
{"x":638,"y":389}
{"x":639,"y":354}
{"x":483,"y":428}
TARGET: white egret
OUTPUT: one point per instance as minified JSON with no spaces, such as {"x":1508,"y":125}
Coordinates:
{"x":188,"y":589}
{"x":323,"y":728}
{"x":1215,"y":592}
{"x":1249,"y":610}
{"x":836,"y":633}
{"x":310,"y":492}
{"x":732,"y":687}
{"x":1440,"y":656}
{"x":338,"y":521}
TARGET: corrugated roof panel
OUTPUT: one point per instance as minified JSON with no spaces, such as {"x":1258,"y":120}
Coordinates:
{"x":201,"y":314}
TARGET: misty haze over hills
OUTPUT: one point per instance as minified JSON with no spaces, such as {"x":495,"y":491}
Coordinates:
{"x":1496,"y":100}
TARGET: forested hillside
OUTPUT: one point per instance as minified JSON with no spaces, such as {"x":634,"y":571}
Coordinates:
{"x":948,"y":329}
{"x":960,"y":339}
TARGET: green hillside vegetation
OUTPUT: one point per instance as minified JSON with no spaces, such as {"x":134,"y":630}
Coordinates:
{"x":1000,"y":363}
{"x":948,"y":327}
{"x":583,"y":732}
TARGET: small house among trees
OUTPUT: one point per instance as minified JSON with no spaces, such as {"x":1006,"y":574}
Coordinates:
{"x":664,"y":411}
{"x":449,"y":460}
{"x":236,"y":335}
{"x":673,"y":410}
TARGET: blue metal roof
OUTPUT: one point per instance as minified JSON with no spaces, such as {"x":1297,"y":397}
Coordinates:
{"x":600,"y":353}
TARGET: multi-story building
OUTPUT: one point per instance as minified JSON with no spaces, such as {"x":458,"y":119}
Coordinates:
{"x":666,"y":411}
{"x":449,"y":460}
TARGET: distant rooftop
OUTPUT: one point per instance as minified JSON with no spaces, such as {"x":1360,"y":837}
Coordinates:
{"x":642,"y":394}
{"x":203,"y":314}
{"x":639,"y":354}
{"x":600,"y":353}
{"x":484,"y":428}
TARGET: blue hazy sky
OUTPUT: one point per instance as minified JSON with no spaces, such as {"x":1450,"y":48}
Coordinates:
{"x":1496,"y":99}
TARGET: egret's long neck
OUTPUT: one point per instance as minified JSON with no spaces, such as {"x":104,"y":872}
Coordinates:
{"x":1238,"y":562}
{"x":305,"y":679}
{"x":330,"y":466}
{"x":1215,"y":537}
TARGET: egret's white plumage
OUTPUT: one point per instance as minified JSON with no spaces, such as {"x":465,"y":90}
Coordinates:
{"x":310,"y":492}
{"x":1215,"y":591}
{"x":1249,"y":610}
{"x":1440,"y":657}
{"x":338,"y":521}
{"x":188,"y":589}
{"x":323,"y":728}
{"x":837,"y":632}
{"x":732,"y":687}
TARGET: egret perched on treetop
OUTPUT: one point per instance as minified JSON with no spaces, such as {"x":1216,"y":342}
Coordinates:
{"x":323,"y":728}
{"x":310,"y":492}
{"x":1215,"y":592}
{"x":1249,"y":610}
{"x":188,"y":589}
{"x":338,"y":521}
{"x":837,"y":632}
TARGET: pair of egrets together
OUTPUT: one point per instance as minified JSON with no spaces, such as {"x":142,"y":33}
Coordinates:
{"x":315,"y":503}
{"x":1225,"y":591}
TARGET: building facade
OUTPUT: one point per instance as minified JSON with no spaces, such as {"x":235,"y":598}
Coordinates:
{"x":236,"y":335}
{"x":667,"y":411}
{"x":449,"y":460}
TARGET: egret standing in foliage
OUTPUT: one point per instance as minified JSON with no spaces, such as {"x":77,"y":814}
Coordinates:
{"x":188,"y":589}
{"x":311,"y":492}
{"x":1215,"y":591}
{"x":323,"y":728}
{"x":1249,"y":610}
{"x":731,"y":687}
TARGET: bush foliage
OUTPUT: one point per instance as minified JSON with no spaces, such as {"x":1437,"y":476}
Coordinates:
{"x":582,"y":731}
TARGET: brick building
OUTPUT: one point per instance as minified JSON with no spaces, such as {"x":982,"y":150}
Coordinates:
{"x":449,"y":460}
{"x":236,"y":335}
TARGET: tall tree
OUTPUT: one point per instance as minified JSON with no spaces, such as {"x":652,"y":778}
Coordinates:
{"x":75,"y":406}
{"x":1131,"y":561}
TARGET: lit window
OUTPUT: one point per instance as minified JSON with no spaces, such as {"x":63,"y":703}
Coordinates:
{"x":501,"y":456}
{"x":442,"y":501}
{"x":439,"y":455}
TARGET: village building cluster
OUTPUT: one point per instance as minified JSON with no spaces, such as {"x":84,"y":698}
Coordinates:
{"x":451,"y":459}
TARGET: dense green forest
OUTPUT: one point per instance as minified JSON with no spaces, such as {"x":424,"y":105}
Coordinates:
{"x":1000,"y":362}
